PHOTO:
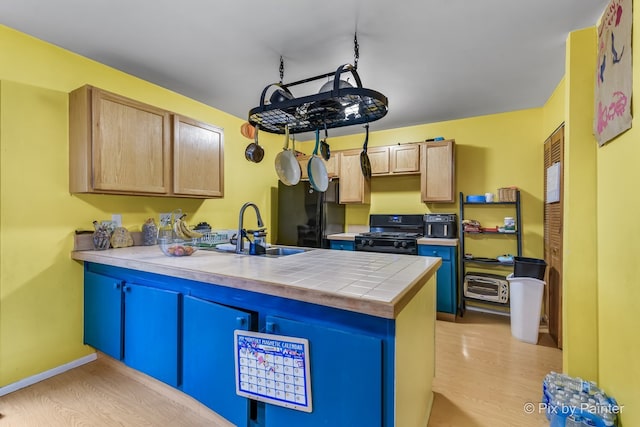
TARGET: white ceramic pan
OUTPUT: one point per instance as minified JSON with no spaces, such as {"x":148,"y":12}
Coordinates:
{"x":287,"y":166}
{"x":318,"y":177}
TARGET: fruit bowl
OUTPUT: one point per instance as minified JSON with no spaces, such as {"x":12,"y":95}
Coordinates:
{"x":176,"y":248}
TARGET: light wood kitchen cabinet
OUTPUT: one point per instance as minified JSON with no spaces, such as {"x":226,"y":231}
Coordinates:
{"x":394,"y":159}
{"x":197,"y":158}
{"x":437,"y":169}
{"x":404,"y":158}
{"x":354,"y":188}
{"x":379,"y":159}
{"x":331,"y":165}
{"x":117,"y":145}
{"x":121,"y":146}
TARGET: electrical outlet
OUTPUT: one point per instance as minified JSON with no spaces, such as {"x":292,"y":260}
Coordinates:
{"x":117,"y":219}
{"x":165,"y":219}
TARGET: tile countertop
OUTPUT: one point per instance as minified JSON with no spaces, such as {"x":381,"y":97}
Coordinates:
{"x":376,"y":284}
{"x":421,"y":241}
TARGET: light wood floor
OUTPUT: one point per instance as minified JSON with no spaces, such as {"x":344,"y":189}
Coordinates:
{"x":484,"y":377}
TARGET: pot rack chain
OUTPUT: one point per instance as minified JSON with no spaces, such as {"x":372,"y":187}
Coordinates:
{"x":356,"y":51}
{"x":281,"y":69}
{"x":356,"y":56}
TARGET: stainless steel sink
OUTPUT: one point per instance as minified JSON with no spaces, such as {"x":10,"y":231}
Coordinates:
{"x":271,"y":252}
{"x":284,"y":251}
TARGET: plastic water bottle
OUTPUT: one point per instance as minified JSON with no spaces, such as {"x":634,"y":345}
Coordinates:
{"x":574,"y":421}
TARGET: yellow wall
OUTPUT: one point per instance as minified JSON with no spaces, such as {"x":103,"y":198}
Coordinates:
{"x":492,"y":151}
{"x":580,"y":267}
{"x":40,"y":286}
{"x":40,"y":295}
{"x":618,"y":232}
{"x":600,"y":292}
{"x":553,"y":111}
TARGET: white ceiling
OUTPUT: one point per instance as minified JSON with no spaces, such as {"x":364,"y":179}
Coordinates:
{"x":434,"y":60}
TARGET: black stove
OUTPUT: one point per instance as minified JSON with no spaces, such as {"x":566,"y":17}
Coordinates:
{"x":392,"y":234}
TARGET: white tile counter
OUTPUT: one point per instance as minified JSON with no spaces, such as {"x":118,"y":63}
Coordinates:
{"x":437,"y":241}
{"x":371,"y":283}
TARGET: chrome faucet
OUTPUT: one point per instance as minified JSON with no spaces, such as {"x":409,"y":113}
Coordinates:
{"x":241,"y":231}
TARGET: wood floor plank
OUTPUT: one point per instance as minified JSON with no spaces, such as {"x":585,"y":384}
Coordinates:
{"x":484,"y":377}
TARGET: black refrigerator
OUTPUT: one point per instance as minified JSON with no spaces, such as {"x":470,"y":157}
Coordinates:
{"x":306,"y":216}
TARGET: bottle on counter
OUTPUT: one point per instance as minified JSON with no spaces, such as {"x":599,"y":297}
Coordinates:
{"x":149,"y":232}
{"x":101,"y":236}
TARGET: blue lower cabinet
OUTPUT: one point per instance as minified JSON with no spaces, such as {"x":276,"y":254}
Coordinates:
{"x":446,"y":278}
{"x":173,"y":331}
{"x":346,"y":377}
{"x":208,"y":358}
{"x":151,"y":331}
{"x":342,"y":245}
{"x":103,"y":303}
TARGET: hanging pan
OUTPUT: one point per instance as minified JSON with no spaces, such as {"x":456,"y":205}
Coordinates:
{"x":325,"y":151}
{"x":247,"y":130}
{"x":316,"y":169}
{"x":254,"y":152}
{"x":287,"y":166}
{"x":365,"y":164}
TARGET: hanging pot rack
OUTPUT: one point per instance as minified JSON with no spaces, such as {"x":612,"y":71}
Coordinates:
{"x":341,"y":106}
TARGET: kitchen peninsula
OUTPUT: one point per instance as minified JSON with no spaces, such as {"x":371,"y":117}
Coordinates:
{"x":369,"y":319}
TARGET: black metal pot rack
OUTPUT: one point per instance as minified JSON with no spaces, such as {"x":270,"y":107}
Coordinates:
{"x":338,"y":107}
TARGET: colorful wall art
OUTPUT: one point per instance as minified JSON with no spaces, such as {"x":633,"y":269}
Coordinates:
{"x":614,"y":72}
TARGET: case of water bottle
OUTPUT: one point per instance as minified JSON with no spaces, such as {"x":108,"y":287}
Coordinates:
{"x":573,"y":402}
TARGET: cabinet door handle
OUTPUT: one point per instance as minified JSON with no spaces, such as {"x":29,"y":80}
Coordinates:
{"x":126,"y":288}
{"x":240,"y":321}
{"x":435,"y":253}
{"x":270,"y":327}
{"x":117,"y":285}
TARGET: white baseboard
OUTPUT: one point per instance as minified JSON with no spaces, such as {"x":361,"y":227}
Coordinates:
{"x":46,"y":374}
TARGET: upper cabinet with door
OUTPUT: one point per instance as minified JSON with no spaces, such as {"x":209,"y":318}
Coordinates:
{"x":394,"y":159}
{"x":121,"y":146}
{"x":331,"y":165}
{"x":354,"y":188}
{"x":197,"y":158}
{"x":437,"y":170}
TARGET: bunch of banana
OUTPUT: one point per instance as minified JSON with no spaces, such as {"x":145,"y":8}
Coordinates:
{"x":183,"y":231}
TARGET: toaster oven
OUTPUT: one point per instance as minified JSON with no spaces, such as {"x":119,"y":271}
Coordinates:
{"x":487,"y":287}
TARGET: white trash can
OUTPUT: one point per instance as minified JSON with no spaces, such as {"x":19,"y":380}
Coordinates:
{"x":525,"y":296}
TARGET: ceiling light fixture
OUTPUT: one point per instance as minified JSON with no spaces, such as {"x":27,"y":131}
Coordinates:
{"x":338,"y":104}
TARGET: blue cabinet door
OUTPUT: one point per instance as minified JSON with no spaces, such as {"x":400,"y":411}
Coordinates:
{"x":346,"y":377}
{"x":342,"y":245}
{"x":446,"y":278}
{"x":208,"y":357}
{"x":151,"y":331}
{"x":103,"y":314}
